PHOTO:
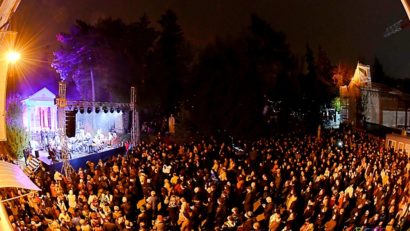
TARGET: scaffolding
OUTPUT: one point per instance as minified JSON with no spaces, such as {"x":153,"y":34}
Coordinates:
{"x":135,"y":131}
{"x":61,"y":103}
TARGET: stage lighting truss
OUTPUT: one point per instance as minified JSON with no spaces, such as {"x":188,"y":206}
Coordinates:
{"x":89,"y":107}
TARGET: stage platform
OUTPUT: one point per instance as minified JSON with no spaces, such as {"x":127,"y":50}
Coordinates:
{"x":79,"y":159}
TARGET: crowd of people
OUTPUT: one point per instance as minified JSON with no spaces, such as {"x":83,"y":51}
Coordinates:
{"x":343,"y":180}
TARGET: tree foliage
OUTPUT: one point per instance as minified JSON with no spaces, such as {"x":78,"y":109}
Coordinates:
{"x":342,"y":75}
{"x":380,"y":76}
{"x":109,"y":50}
{"x":235,"y":75}
{"x":169,"y":64}
{"x":319,"y":88}
{"x":17,"y":136}
{"x":225,"y":86}
{"x":227,"y":93}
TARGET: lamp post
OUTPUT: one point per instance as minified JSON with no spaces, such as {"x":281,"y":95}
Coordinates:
{"x":12,"y":58}
{"x":7,"y":39}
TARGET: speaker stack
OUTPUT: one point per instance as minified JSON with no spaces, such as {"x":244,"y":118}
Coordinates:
{"x":70,"y":123}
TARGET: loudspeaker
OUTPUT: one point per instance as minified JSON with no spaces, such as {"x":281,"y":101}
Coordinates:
{"x":70,"y":123}
{"x":37,"y":153}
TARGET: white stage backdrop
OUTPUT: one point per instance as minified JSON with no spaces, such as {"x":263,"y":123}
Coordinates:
{"x":105,"y":121}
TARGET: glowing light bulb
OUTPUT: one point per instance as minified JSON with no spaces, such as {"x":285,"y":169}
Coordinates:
{"x":13,"y":56}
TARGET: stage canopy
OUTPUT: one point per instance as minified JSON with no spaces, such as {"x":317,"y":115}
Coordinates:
{"x":11,"y":176}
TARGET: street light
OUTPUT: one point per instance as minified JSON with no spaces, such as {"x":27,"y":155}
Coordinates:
{"x":7,"y":40}
{"x":13,"y":56}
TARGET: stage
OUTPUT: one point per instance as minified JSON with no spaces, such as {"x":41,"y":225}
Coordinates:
{"x":89,"y":131}
{"x":79,"y":159}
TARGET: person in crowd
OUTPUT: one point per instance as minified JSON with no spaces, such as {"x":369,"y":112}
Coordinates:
{"x":289,"y":181}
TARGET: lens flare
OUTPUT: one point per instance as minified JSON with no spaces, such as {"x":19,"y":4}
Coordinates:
{"x":13,"y":56}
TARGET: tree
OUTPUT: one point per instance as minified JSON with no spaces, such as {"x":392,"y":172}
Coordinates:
{"x":274,"y":66}
{"x":324,"y":67}
{"x":378,"y":74}
{"x":228,"y":95}
{"x":235,"y":75}
{"x":169,"y":64}
{"x":17,"y":136}
{"x":93,"y":55}
{"x":129,"y":47}
{"x":342,"y":75}
{"x":77,"y":58}
{"x":140,"y":42}
{"x":310,"y":107}
{"x":318,"y":85}
{"x":325,"y":71}
{"x":269,"y":54}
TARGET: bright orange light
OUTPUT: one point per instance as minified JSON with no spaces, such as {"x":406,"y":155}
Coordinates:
{"x":13,"y":56}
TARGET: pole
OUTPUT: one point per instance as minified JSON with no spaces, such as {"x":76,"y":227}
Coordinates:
{"x":135,"y":130}
{"x":7,"y":39}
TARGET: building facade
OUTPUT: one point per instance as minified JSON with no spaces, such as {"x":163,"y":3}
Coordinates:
{"x":40,"y":112}
{"x":373,"y":103}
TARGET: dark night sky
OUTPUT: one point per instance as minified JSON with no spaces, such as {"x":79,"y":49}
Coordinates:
{"x":346,"y":29}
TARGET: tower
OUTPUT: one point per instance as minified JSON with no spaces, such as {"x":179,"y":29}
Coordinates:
{"x":61,"y":103}
{"x":135,"y":132}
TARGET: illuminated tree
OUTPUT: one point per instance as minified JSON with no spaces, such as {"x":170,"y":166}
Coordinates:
{"x":17,"y":136}
{"x":77,"y":57}
{"x":109,"y":56}
{"x":342,"y":75}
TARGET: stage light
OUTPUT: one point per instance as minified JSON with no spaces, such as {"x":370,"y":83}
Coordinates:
{"x":105,"y":109}
{"x":89,"y":110}
{"x":112,"y":110}
{"x":118,"y":110}
{"x":13,"y":56}
{"x":81,"y":110}
{"x":76,"y":110}
{"x":97,"y":109}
